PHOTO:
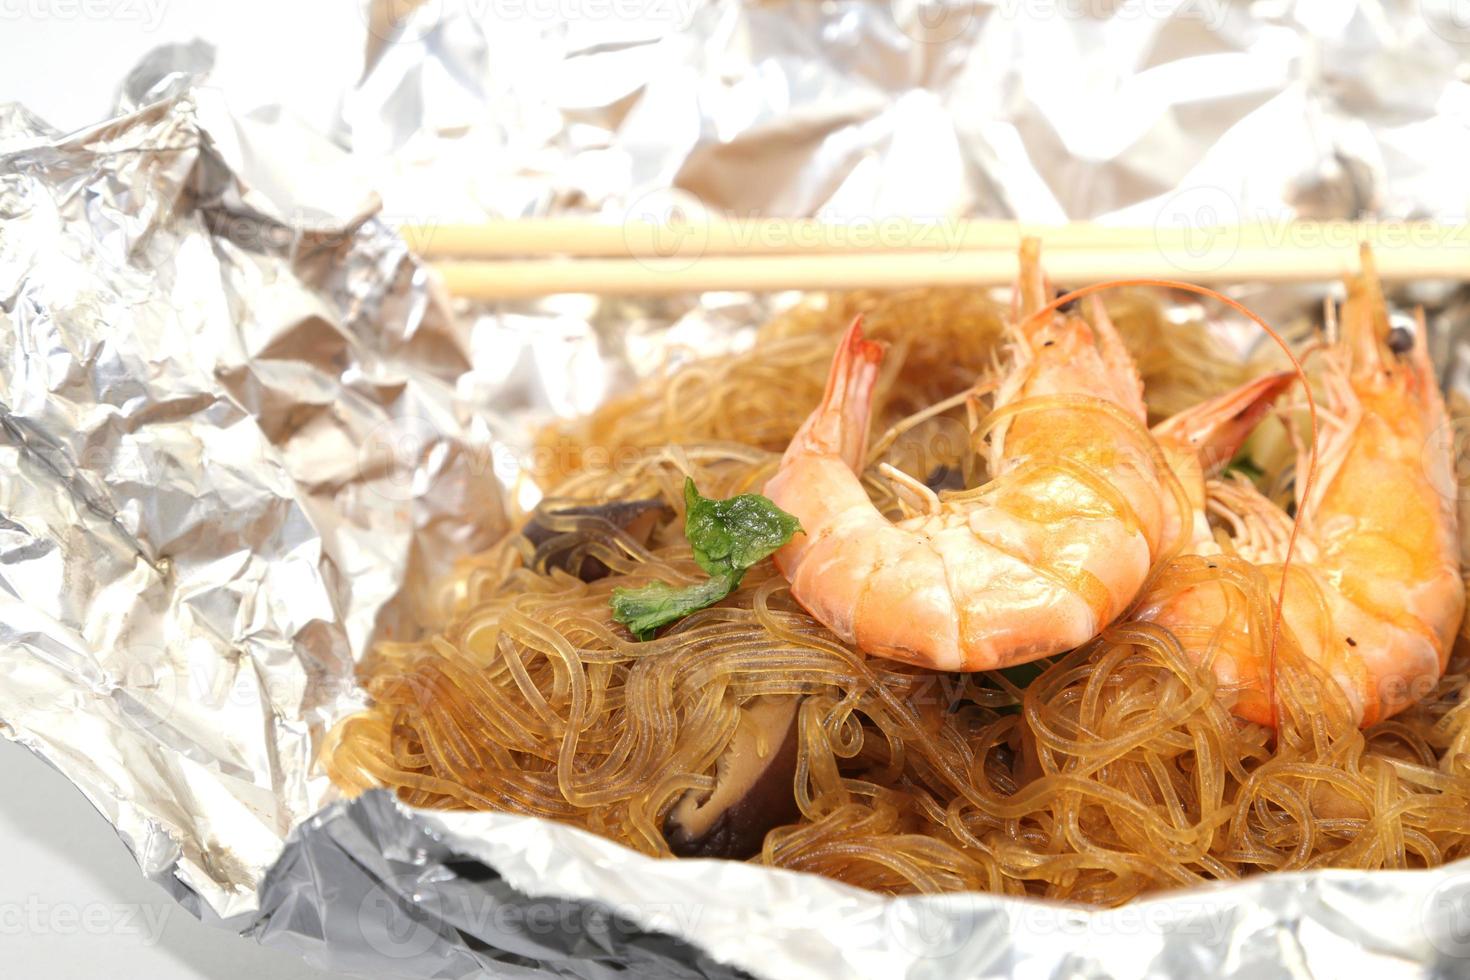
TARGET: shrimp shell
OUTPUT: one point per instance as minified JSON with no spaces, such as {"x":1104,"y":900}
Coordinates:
{"x":1034,"y":562}
{"x":1374,"y":595}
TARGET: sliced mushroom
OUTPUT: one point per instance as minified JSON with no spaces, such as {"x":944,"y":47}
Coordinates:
{"x":753,"y":790}
{"x":636,"y":518}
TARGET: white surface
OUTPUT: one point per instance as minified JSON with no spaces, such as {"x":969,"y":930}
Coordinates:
{"x":64,"y":59}
{"x":74,"y":905}
{"x":72,"y":902}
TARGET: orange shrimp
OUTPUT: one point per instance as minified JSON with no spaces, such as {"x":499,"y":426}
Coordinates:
{"x":1374,"y":594}
{"x":1036,"y":561}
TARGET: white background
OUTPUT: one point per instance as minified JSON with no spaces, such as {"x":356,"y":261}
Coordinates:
{"x":72,"y":902}
{"x":64,"y":59}
{"x":73,"y":905}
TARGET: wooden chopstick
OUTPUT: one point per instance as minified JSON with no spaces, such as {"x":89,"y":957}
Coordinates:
{"x":579,"y":237}
{"x":775,"y":236}
{"x":1069,"y":266}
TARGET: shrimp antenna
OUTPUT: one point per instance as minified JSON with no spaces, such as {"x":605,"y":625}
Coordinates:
{"x":1301,"y":373}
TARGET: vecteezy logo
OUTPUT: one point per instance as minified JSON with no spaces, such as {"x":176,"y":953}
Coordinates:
{"x":1446,"y":458}
{"x":934,"y":929}
{"x":667,"y":230}
{"x":1198,"y":229}
{"x":390,"y":922}
{"x":400,"y":21}
{"x":389,"y":458}
{"x":1444,"y":915}
{"x":933,"y":21}
{"x":1450,"y":19}
{"x":145,"y":686}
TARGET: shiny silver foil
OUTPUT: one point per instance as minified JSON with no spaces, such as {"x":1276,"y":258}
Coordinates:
{"x":231,"y":437}
{"x":241,"y":429}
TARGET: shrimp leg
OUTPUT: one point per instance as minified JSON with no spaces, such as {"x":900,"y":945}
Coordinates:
{"x":1374,"y":596}
{"x":1035,"y":562}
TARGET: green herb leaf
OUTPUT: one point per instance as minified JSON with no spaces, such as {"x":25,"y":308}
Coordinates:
{"x":1246,"y":467}
{"x":1020,"y":675}
{"x":728,"y":537}
{"x":1023,"y":674}
{"x":645,"y":609}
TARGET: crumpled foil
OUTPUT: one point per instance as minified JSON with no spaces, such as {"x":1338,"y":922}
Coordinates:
{"x":240,"y":429}
{"x":231,"y":434}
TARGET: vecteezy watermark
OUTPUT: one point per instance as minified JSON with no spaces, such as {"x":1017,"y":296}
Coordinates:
{"x":1200,"y":228}
{"x":673,"y":13}
{"x":1450,"y":19}
{"x":397,"y":457}
{"x":948,"y":932}
{"x":935,"y":21}
{"x":667,"y":229}
{"x":1210,"y":13}
{"x":935,"y":928}
{"x":482,"y":914}
{"x":1444,"y":915}
{"x":300,"y":231}
{"x":400,"y":21}
{"x":671,"y":230}
{"x":397,"y":918}
{"x":36,"y":917}
{"x":405,"y":917}
{"x":145,"y":687}
{"x":1446,"y":458}
{"x":407,"y":21}
{"x":941,"y":21}
{"x":147,"y":13}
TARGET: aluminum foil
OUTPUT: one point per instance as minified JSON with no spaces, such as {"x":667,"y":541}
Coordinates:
{"x":240,"y":428}
{"x":231,"y":437}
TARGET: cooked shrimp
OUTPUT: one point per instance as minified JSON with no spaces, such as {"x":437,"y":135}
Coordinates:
{"x":1036,"y":561}
{"x":1374,"y":594}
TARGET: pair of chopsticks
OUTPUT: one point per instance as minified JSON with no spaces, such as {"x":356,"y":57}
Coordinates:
{"x":540,"y":257}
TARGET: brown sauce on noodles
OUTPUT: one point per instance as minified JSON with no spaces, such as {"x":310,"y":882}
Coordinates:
{"x":1117,"y":771}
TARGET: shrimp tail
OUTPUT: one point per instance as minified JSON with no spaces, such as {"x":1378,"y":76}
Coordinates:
{"x":1213,"y":431}
{"x":839,"y":426}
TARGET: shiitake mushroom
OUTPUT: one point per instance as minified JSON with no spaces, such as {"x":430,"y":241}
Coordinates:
{"x":753,"y":786}
{"x":636,"y":518}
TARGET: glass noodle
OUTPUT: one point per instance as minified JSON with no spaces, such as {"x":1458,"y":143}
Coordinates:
{"x":1116,"y":771}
